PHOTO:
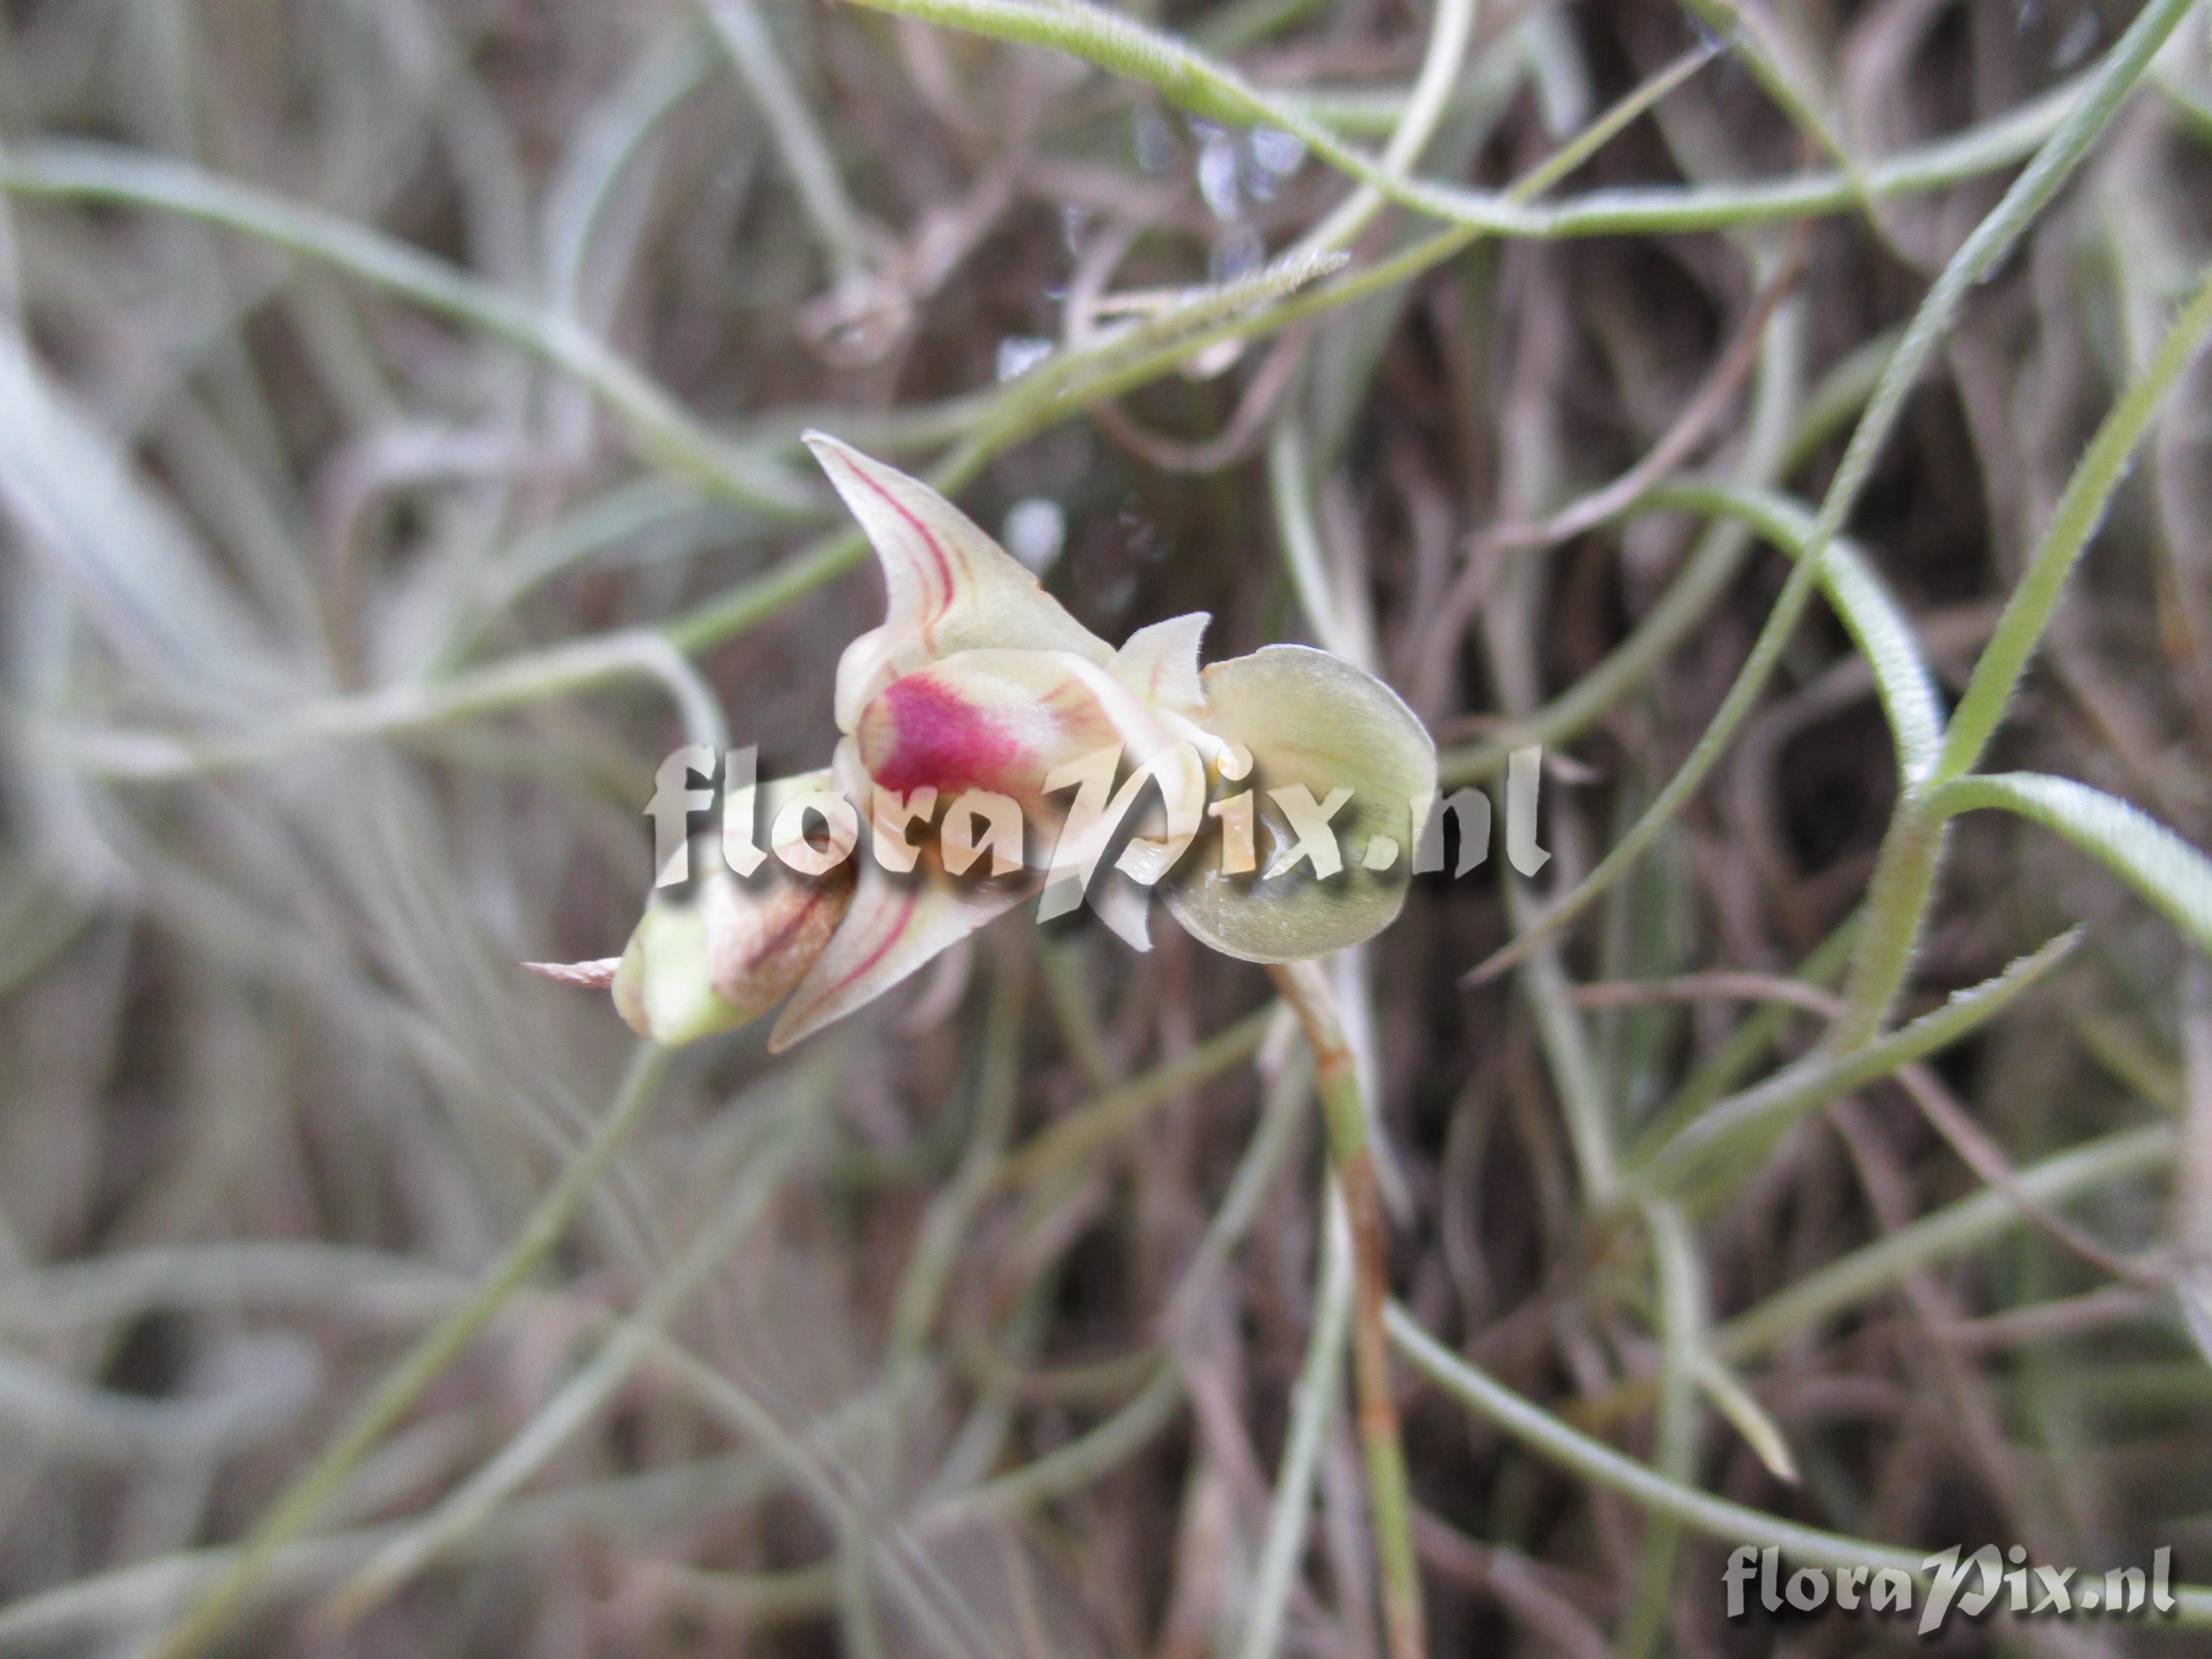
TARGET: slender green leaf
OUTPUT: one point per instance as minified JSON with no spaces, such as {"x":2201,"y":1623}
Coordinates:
{"x":1821,"y":1076}
{"x":1940,"y":1237}
{"x":1861,"y":600}
{"x":68,"y":491}
{"x":2172,"y":876}
{"x":1601,"y":1465}
{"x":1117,"y":43}
{"x":2080,"y":509}
{"x":1186,"y":77}
{"x":1995,"y":237}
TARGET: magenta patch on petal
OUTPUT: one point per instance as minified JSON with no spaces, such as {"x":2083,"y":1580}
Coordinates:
{"x":918,"y":734}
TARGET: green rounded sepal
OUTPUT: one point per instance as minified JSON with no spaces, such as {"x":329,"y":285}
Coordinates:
{"x":1308,"y":718}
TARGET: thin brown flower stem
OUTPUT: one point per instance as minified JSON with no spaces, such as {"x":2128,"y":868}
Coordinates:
{"x":1305,"y":988}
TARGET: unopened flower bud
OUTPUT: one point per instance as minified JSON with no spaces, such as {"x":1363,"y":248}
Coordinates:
{"x":723,"y":952}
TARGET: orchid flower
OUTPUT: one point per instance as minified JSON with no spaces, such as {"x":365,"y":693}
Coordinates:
{"x":979,"y":689}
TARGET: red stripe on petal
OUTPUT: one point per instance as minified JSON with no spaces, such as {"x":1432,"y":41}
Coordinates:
{"x":937,"y":551}
{"x":907,"y":899}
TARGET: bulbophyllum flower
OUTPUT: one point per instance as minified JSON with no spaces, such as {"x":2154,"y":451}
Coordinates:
{"x":993,"y":749}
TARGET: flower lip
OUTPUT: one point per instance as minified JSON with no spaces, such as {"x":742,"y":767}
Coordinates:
{"x":919,"y":732}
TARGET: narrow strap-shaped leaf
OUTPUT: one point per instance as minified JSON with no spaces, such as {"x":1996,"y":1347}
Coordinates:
{"x":2172,"y":876}
{"x":1821,"y":1076}
{"x":1188,"y":79}
{"x":2080,"y":509}
{"x":1706,"y":1512}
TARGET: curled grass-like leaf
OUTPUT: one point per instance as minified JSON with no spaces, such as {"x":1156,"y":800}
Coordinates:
{"x":2173,"y":878}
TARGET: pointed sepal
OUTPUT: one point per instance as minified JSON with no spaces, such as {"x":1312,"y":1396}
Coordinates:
{"x":948,"y":586}
{"x":895,"y":924}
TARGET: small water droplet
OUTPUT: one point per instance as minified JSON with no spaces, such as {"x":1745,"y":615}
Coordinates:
{"x":1020,"y":353}
{"x":1035,"y":532}
{"x":1157,"y":148}
{"x":1278,"y":153}
{"x":1217,"y":175}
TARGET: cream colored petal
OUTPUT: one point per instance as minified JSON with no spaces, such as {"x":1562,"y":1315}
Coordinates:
{"x":1311,"y":719}
{"x":724,"y":952}
{"x":948,"y":586}
{"x":1125,"y":907}
{"x":1160,"y":663}
{"x":896,"y":926}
